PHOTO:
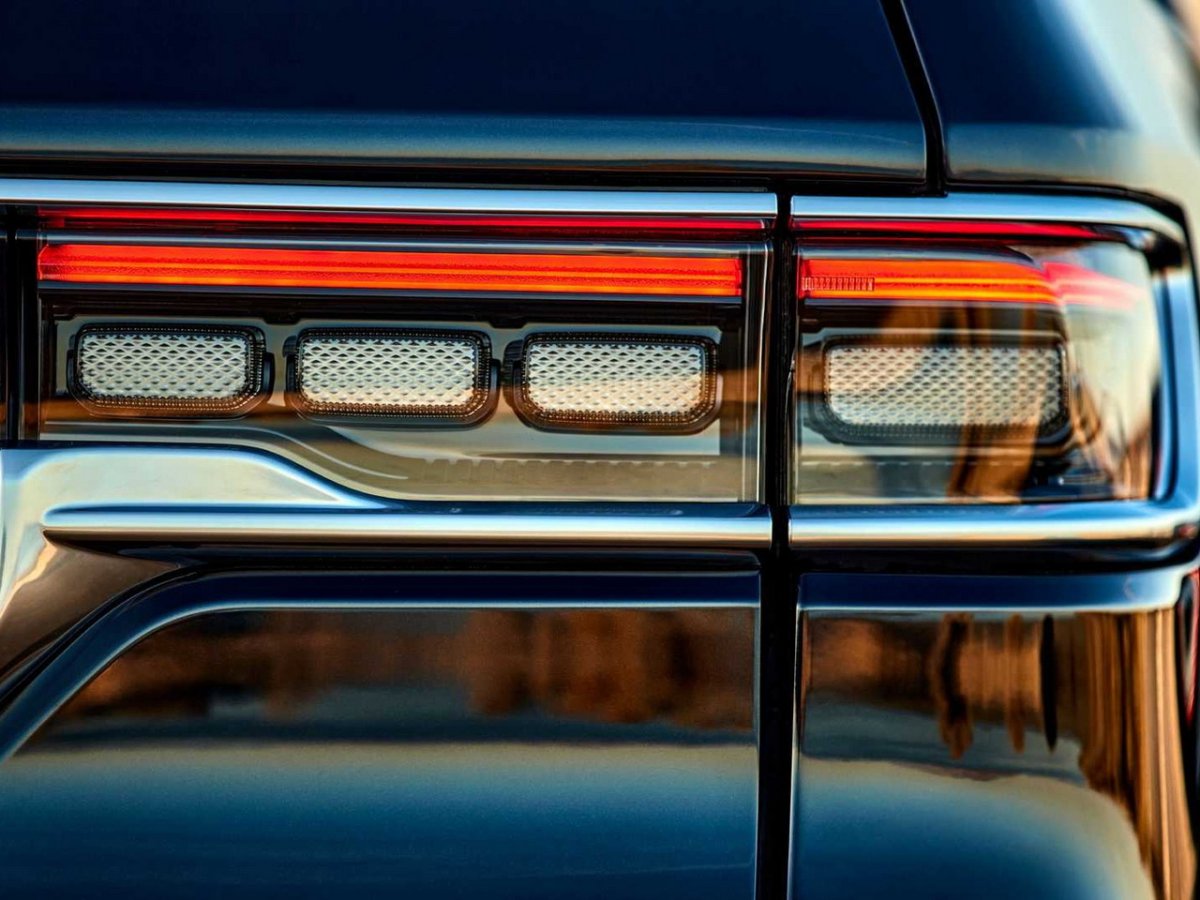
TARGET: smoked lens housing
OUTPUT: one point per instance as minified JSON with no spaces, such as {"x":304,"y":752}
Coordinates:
{"x":975,"y":371}
{"x":386,"y":364}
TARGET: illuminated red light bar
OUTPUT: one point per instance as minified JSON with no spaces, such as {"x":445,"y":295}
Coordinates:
{"x":566,"y":224}
{"x":959,"y":280}
{"x":390,"y":270}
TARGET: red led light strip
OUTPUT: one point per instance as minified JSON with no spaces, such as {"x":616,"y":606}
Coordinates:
{"x":392,"y":270}
{"x":959,"y":280}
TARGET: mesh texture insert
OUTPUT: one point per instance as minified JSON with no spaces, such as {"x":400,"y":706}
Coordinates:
{"x":914,"y":387}
{"x":163,"y":367}
{"x":619,"y":380}
{"x":403,"y":373}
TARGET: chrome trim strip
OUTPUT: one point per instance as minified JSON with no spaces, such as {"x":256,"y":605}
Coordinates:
{"x":156,"y":493}
{"x":1062,"y":525}
{"x":1162,"y":524}
{"x":418,"y":529}
{"x":350,"y":198}
{"x":991,"y":207}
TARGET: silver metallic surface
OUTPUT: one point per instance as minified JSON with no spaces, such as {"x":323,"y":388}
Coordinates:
{"x":55,"y":191}
{"x":178,"y":493}
{"x":407,"y":528}
{"x":990,"y":208}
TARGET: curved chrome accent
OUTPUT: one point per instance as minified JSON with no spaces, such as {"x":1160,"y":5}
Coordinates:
{"x":163,"y":493}
{"x":349,"y":198}
{"x":991,"y":208}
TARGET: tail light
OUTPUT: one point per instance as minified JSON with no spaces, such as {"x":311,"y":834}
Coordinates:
{"x":465,"y":355}
{"x":966,"y":367}
{"x":536,"y":365}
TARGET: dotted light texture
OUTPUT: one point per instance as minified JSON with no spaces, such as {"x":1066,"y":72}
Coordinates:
{"x":876,"y":387}
{"x":409,"y":373}
{"x":155,"y":365}
{"x":601,"y":378}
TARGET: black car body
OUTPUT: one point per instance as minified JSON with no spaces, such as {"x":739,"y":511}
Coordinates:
{"x":268,"y":624}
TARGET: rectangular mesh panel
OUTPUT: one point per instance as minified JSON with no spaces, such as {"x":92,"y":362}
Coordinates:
{"x":395,"y":373}
{"x":911,"y":389}
{"x":598,"y":379}
{"x":160,"y":370}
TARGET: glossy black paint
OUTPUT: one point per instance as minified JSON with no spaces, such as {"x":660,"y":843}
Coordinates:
{"x":812,"y":87}
{"x":523,"y":57}
{"x":1097,"y":93}
{"x":990,"y":737}
{"x":888,"y":802}
{"x":453,"y":735}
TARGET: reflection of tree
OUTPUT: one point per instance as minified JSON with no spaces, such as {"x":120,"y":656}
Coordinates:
{"x":626,"y":666}
{"x":1109,"y":681}
{"x":693,"y":667}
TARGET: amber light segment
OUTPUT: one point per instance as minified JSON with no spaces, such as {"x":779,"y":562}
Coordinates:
{"x":391,"y":270}
{"x":962,"y":280}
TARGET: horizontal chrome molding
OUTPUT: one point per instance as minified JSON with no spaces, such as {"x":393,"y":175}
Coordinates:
{"x":1117,"y":522}
{"x":1100,"y":211}
{"x":158,"y":493}
{"x":748,"y":205}
{"x":307,"y":526}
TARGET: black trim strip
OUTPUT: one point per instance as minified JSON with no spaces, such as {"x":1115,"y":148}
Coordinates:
{"x":777,"y":617}
{"x":922,"y":88}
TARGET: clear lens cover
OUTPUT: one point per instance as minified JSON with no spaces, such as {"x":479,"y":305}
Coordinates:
{"x":452,"y":370}
{"x":971,"y":373}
